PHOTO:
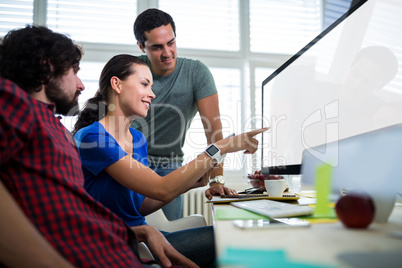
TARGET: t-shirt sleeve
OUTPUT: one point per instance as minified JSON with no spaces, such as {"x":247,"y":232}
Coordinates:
{"x":98,"y":150}
{"x":16,"y":119}
{"x":204,"y":83}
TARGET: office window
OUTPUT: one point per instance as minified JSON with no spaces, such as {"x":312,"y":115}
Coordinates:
{"x":205,"y":24}
{"x":97,"y":21}
{"x":89,"y":74}
{"x":260,"y":75}
{"x":283,"y":26}
{"x":228,"y":84}
{"x":15,"y":14}
{"x":334,"y":9}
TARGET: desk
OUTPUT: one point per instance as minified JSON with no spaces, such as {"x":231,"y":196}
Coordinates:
{"x":319,"y":244}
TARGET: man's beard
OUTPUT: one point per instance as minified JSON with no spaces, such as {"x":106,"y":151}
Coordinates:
{"x":63,"y":104}
{"x":67,"y":109}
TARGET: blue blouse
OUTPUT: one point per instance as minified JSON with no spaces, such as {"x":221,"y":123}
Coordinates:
{"x":98,"y":150}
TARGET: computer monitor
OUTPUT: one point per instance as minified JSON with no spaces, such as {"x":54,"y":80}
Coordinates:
{"x":345,"y":82}
{"x":369,"y":162}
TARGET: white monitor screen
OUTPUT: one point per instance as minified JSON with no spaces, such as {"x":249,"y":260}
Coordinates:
{"x":346,"y":82}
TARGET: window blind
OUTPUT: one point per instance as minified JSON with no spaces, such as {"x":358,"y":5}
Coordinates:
{"x":97,"y":21}
{"x":283,"y":26}
{"x":334,"y":9}
{"x":15,"y":14}
{"x":205,"y":24}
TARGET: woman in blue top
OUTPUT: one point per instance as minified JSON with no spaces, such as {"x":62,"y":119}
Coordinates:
{"x":114,"y":157}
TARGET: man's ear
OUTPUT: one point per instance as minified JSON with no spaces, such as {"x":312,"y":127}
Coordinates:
{"x":116,"y":84}
{"x":141,"y":47}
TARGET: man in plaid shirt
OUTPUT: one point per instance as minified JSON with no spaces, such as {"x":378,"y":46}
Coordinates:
{"x":41,"y":180}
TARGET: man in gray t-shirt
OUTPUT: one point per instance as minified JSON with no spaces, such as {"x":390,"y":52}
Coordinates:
{"x":182,"y":87}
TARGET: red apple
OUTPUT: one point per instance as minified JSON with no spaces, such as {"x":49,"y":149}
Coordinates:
{"x":355,"y":210}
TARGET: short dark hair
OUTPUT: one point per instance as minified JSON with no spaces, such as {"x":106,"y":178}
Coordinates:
{"x":150,"y":19}
{"x":31,"y":56}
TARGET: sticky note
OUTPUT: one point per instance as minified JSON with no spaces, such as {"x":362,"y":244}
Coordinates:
{"x":237,"y":214}
{"x":257,"y":257}
{"x":323,"y":190}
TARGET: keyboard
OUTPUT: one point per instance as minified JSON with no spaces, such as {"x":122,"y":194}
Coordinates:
{"x":273,"y":209}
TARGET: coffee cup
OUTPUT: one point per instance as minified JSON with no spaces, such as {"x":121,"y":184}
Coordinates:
{"x":275,"y":188}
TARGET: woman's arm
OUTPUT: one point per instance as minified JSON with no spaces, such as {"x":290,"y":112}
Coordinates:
{"x":143,"y":180}
{"x":151,"y":205}
{"x":21,"y":244}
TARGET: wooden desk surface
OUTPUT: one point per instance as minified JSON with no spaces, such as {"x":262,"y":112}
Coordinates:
{"x":319,"y":244}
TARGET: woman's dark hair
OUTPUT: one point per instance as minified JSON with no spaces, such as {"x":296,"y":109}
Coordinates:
{"x":150,"y":19}
{"x":95,"y":109}
{"x":31,"y":56}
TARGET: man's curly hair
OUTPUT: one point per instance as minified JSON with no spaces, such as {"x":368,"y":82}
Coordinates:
{"x":31,"y":56}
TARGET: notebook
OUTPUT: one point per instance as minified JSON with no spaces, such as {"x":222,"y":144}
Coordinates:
{"x":244,"y":197}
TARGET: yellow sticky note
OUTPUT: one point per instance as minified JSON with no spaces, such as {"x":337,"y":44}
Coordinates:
{"x":323,"y":190}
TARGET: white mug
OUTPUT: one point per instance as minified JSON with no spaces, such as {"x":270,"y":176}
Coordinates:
{"x":275,"y":188}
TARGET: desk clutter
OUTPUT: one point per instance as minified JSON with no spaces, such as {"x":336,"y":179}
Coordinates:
{"x":302,"y":205}
{"x":256,"y":179}
{"x":253,"y":193}
{"x":258,"y":192}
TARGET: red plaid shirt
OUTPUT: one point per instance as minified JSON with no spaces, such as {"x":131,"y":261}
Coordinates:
{"x":42,"y":170}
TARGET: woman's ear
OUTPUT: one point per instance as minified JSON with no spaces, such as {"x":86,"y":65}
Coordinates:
{"x":116,"y":84}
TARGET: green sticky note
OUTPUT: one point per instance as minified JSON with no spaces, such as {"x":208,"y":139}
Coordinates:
{"x":237,"y":214}
{"x":323,"y":189}
{"x":252,"y":258}
{"x":260,"y":258}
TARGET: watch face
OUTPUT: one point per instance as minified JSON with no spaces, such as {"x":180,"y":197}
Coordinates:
{"x":212,"y":150}
{"x":220,"y":179}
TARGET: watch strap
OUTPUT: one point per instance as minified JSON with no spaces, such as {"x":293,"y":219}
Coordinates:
{"x":217,"y":179}
{"x":214,"y":152}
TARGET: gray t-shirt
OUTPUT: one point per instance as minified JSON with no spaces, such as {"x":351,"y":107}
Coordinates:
{"x":173,"y":108}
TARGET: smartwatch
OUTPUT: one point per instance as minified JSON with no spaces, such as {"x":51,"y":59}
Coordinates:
{"x":217,"y":179}
{"x":214,"y":152}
